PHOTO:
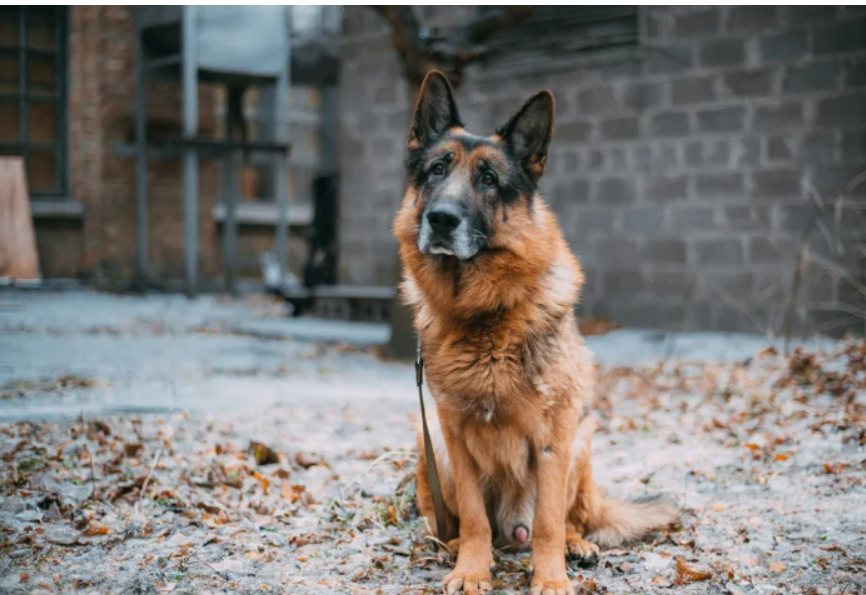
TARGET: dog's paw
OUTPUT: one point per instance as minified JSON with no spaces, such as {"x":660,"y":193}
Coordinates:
{"x":582,"y":552}
{"x":468,"y":581}
{"x":556,"y":586}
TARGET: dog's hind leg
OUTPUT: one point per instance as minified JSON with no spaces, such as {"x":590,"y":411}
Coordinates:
{"x":446,"y":479}
{"x":606,"y":522}
{"x":583,"y":497}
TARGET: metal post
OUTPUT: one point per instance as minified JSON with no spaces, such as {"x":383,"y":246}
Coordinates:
{"x":329,"y":130}
{"x":190,"y":157}
{"x":230,"y":192}
{"x":141,"y":227}
{"x":281,"y":125}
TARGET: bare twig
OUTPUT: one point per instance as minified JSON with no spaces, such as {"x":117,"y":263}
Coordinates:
{"x":149,"y":474}
{"x":797,"y":275}
{"x":94,"y":492}
{"x":223,"y":575}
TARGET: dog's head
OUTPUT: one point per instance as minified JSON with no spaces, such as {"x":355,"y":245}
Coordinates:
{"x":474,"y":233}
{"x":464,"y":182}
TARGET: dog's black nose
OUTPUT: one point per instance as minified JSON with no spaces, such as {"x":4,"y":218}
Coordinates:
{"x":444,"y":218}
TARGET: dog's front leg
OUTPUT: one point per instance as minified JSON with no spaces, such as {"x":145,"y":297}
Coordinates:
{"x":472,"y":571}
{"x":548,"y":527}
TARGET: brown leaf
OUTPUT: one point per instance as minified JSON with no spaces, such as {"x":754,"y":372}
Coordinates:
{"x":263,"y":454}
{"x":96,"y":530}
{"x":832,"y":548}
{"x":210,"y":508}
{"x":282,"y":472}
{"x":689,"y":574}
{"x":777,"y":567}
{"x":392,"y":515}
{"x":306,"y":460}
{"x":100,"y":426}
{"x":132,"y":449}
{"x":834,"y":468}
{"x":263,"y":480}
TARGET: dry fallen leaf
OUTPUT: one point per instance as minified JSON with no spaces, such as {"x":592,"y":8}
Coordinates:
{"x":834,"y":469}
{"x":306,"y":461}
{"x":832,"y":548}
{"x":777,"y":567}
{"x":718,"y":507}
{"x":688,"y":574}
{"x":263,"y":454}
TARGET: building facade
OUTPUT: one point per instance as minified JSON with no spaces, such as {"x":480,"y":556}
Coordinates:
{"x":66,"y":105}
{"x":687,"y":160}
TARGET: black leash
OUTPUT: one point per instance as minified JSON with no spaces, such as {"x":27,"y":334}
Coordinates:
{"x":432,"y":471}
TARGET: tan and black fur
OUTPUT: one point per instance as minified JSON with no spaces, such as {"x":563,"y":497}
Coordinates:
{"x":493,"y":285}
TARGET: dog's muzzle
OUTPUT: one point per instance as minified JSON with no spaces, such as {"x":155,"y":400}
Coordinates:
{"x":446,"y":231}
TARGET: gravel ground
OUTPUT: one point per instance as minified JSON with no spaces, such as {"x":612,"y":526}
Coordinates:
{"x":126,"y":427}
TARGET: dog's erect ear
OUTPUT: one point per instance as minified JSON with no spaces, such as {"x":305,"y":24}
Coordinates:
{"x":435,"y":112}
{"x":527,"y":134}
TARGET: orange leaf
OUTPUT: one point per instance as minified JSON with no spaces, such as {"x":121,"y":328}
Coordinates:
{"x":782,"y":457}
{"x":93,"y":531}
{"x":752,"y":446}
{"x":688,"y":574}
{"x":777,"y":567}
{"x":718,"y":507}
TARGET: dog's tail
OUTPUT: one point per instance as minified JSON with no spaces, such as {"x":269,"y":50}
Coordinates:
{"x":610,"y":522}
{"x":623,"y":521}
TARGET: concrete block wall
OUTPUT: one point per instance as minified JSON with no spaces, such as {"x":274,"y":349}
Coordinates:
{"x":683,"y":171}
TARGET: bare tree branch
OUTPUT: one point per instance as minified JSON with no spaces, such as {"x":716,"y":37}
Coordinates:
{"x":449,"y":53}
{"x":406,"y":38}
{"x":465,"y":42}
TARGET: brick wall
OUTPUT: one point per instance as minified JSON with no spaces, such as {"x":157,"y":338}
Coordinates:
{"x":101,"y":245}
{"x":683,"y":171}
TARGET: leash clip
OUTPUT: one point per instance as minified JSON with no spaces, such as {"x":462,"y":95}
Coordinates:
{"x":419,"y":366}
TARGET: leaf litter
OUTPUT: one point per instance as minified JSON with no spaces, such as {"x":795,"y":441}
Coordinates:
{"x":765,"y":457}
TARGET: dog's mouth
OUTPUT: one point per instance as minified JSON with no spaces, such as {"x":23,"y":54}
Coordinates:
{"x":440,"y":248}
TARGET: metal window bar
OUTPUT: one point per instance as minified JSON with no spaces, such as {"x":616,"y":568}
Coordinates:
{"x":57,"y":100}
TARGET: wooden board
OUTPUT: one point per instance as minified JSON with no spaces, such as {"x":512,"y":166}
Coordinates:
{"x":19,"y":260}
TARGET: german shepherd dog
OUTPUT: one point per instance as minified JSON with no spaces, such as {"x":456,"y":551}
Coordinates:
{"x":493,"y":286}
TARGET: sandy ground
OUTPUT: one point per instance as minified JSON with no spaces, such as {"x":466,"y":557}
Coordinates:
{"x":126,"y":423}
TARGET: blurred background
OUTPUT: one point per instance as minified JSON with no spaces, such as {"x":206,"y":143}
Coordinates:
{"x":200,"y":385}
{"x":707,"y":162}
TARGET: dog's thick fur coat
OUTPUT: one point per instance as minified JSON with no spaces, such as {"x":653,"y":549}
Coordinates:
{"x":510,"y":374}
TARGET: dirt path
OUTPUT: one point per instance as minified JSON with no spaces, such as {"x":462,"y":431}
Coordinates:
{"x":766,"y":458}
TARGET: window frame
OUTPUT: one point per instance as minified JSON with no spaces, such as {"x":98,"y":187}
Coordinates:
{"x":59,"y":99}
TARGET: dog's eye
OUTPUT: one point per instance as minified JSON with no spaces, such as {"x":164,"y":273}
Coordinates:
{"x":438,"y":169}
{"x":488,"y":179}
